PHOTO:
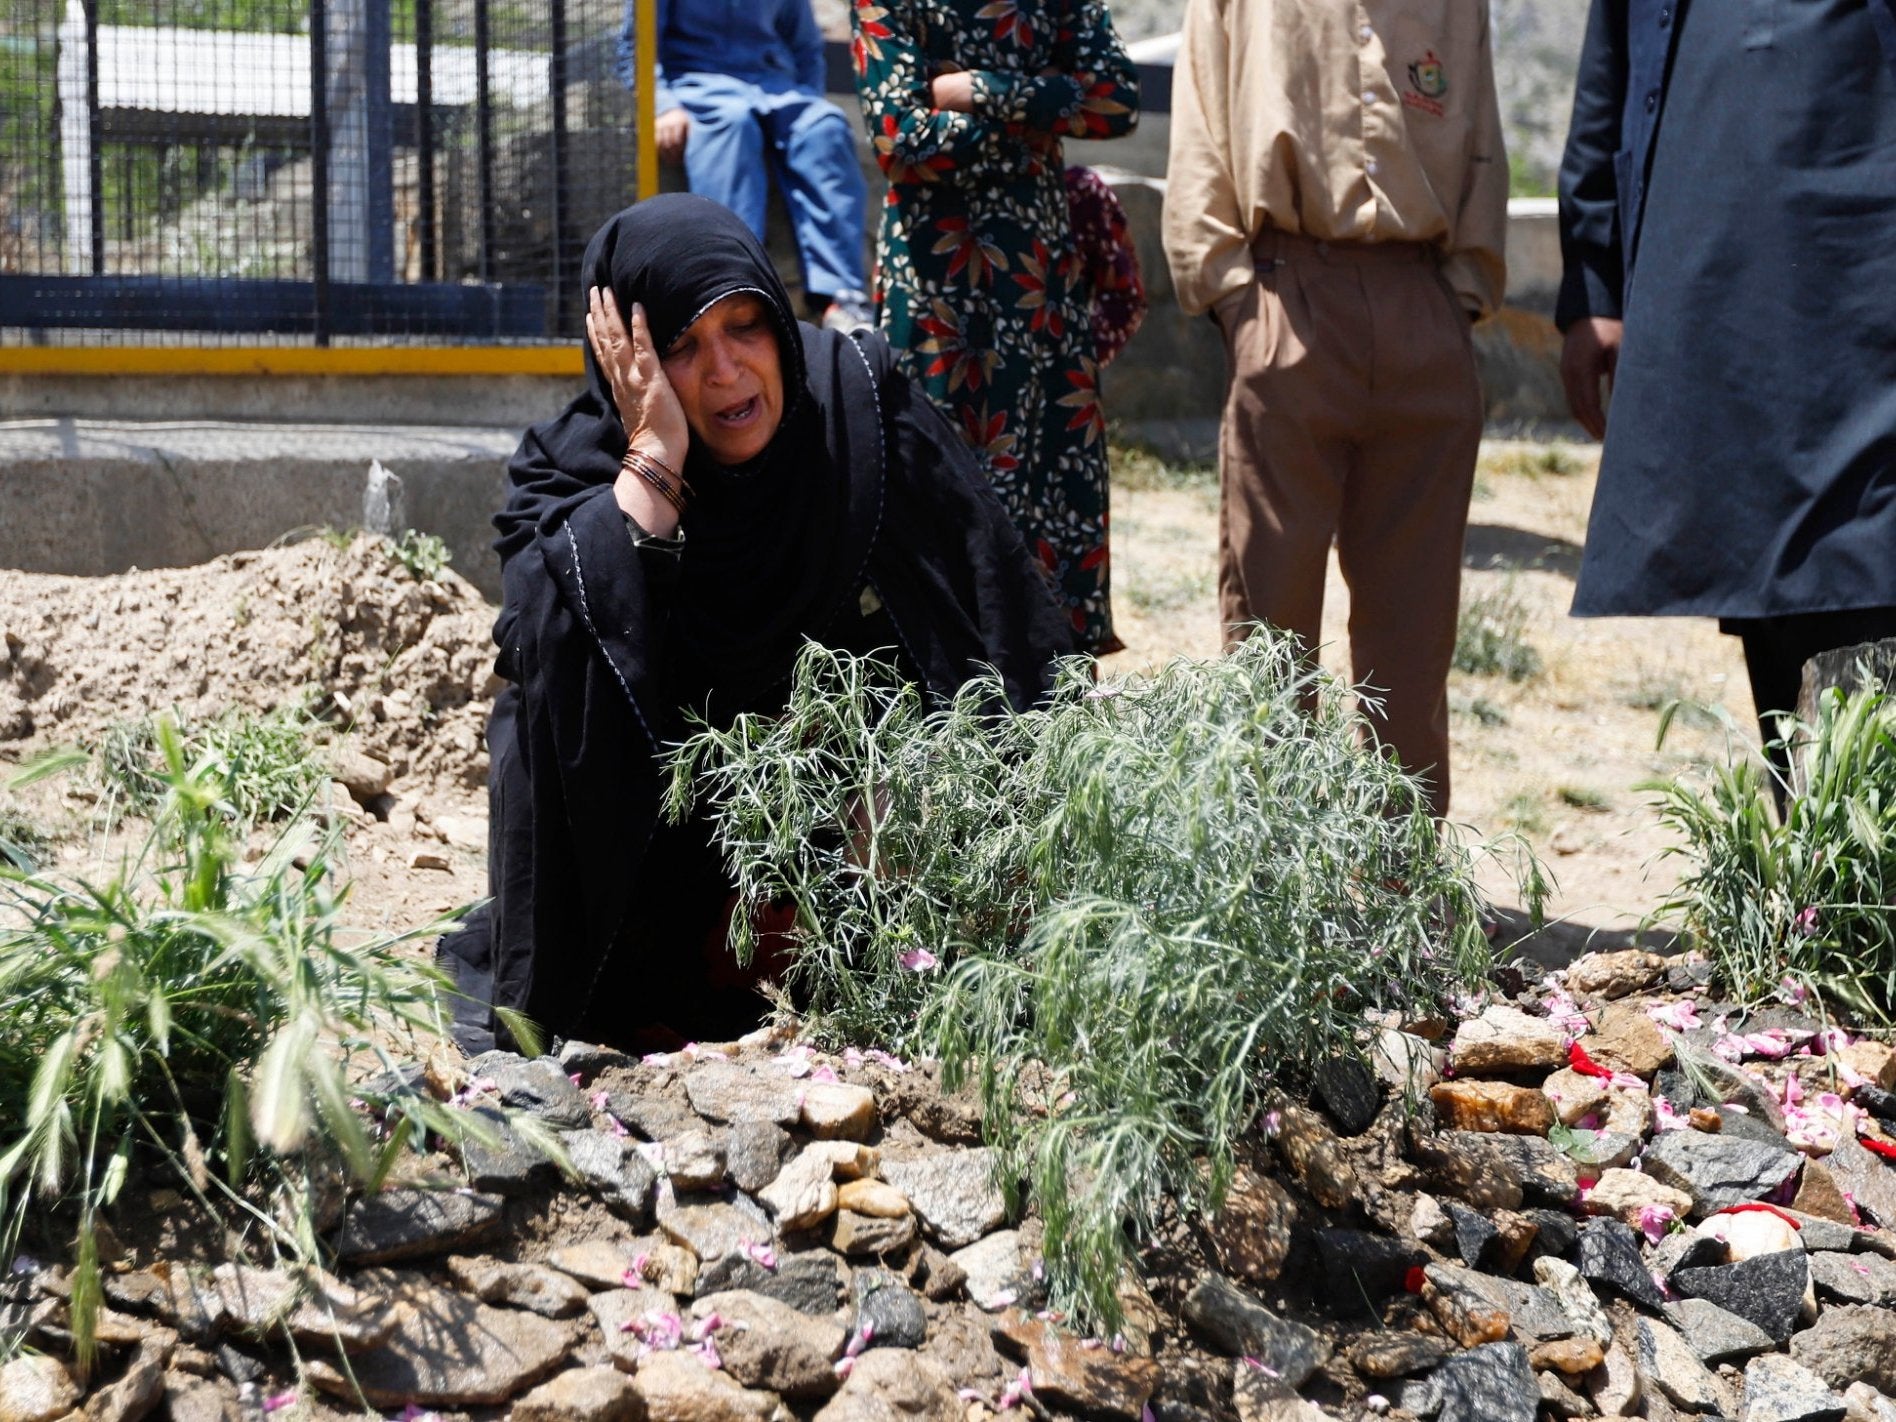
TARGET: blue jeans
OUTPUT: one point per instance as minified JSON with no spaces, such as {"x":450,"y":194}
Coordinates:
{"x":742,"y":134}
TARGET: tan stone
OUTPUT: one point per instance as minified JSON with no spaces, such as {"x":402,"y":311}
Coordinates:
{"x":1467,"y":1316}
{"x":1819,"y":1194}
{"x":803,"y":1195}
{"x":856,"y":1234}
{"x":872,"y":1197}
{"x":1626,"y":1039}
{"x":582,"y":1395}
{"x":1572,"y":1356}
{"x":1317,"y":1159}
{"x":849,"y":1160}
{"x":1071,"y":1375}
{"x":1574,"y":1094}
{"x":679,"y":1388}
{"x":36,"y":1388}
{"x":835,"y":1110}
{"x":1875,"y":1060}
{"x":1516,"y":1235}
{"x":1615,"y":974}
{"x":1492,"y":1106}
{"x":1628,"y":1113}
{"x":1251,"y":1234}
{"x":887,"y":1384}
{"x":1624,"y":1193}
{"x":1614,"y":1385}
{"x":1506,"y":1039}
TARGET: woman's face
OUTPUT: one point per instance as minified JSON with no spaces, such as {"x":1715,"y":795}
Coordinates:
{"x":728,"y":375}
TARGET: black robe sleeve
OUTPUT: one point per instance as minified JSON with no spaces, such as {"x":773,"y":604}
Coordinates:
{"x":1593,"y":270}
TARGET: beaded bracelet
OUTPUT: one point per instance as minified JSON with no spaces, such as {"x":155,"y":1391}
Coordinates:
{"x":649,"y":469}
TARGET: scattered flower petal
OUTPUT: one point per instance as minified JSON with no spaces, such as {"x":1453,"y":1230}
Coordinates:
{"x":1680,"y":1016}
{"x":918,"y":960}
{"x":277,"y":1401}
{"x":1654,"y":1221}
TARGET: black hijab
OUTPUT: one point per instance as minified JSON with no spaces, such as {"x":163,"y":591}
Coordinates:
{"x":865,"y":482}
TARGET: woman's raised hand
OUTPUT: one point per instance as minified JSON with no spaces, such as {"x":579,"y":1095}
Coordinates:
{"x":654,"y":420}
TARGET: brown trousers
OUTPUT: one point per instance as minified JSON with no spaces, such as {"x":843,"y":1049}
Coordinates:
{"x":1353,"y":415}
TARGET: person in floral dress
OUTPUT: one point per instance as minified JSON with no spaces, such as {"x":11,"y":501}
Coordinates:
{"x":978,"y":287}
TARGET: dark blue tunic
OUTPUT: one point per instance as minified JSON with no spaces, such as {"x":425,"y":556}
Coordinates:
{"x":1730,"y":185}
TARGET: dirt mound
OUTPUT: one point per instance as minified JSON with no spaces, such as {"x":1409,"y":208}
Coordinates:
{"x":401,"y":665}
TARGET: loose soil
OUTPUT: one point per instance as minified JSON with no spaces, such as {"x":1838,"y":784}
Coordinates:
{"x":1556,"y":758}
{"x":401,"y":668}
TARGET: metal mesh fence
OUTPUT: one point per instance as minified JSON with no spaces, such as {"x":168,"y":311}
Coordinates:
{"x":230,"y":171}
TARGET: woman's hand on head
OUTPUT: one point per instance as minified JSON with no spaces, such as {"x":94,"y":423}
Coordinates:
{"x":648,"y":408}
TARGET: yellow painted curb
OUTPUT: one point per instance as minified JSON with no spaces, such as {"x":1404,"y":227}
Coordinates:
{"x":562,"y":360}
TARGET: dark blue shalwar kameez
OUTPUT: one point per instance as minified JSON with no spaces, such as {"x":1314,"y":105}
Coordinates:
{"x":1729,"y":188}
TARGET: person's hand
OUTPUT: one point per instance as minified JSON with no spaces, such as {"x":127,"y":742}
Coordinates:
{"x":1588,"y":359}
{"x":647,"y":406}
{"x":670,"y":130}
{"x":952,"y":93}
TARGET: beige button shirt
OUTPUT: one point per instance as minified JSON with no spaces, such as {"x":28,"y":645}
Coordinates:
{"x":1344,"y":120}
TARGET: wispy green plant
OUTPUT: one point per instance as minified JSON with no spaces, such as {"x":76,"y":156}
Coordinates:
{"x":22,"y":839}
{"x":423,"y":554}
{"x":1491,"y":634}
{"x":1811,"y":897}
{"x":193,"y":1015}
{"x":1126,"y":914}
{"x":268,"y":763}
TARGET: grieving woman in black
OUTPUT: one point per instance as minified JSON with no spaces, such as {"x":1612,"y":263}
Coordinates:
{"x":730,"y":485}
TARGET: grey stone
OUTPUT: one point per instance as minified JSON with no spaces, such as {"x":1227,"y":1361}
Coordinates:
{"x":1392,"y":1354}
{"x":1867,"y":1178}
{"x":1536,"y":1314}
{"x":407,"y":1224}
{"x":1614,"y":1385}
{"x":1780,"y":1390}
{"x":1471,"y":1167}
{"x":1717,"y":1170}
{"x":754,"y":1151}
{"x":1558,"y":1400}
{"x":621,"y":1314}
{"x":1676,"y":1087}
{"x":194,"y":1399}
{"x":1547,"y":1176}
{"x":1685,"y":1249}
{"x":1608,"y":1256}
{"x":869,"y":1236}
{"x":995,"y":1269}
{"x":1727,"y":1083}
{"x":888,"y":1314}
{"x":712,"y":1228}
{"x":1737,"y":1123}
{"x":1235,"y":1323}
{"x":1558,"y":1232}
{"x":1667,"y":1364}
{"x":1819,"y":1234}
{"x":1491,"y":1383}
{"x":1576,"y":1298}
{"x":534,"y":1287}
{"x":616,"y":1169}
{"x":729,"y":1094}
{"x":507,"y":1166}
{"x":769,"y":1345}
{"x":448,"y":1350}
{"x":1768,"y":1289}
{"x":1854,"y":1278}
{"x":652,"y":1116}
{"x":136,"y":1391}
{"x":1866,"y":1404}
{"x":1346,"y":1089}
{"x":1363,"y":1267}
{"x":953,"y":1192}
{"x":1878,"y":1102}
{"x":540,"y":1086}
{"x":1475,"y":1235}
{"x":1851,"y":1343}
{"x":586,"y":1061}
{"x":314,"y":1308}
{"x":1420,"y":1397}
{"x":1715,"y":1334}
{"x":809,"y":1280}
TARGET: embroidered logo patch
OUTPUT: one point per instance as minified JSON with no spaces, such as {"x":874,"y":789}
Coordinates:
{"x":1428,"y":76}
{"x":1428,"y":81}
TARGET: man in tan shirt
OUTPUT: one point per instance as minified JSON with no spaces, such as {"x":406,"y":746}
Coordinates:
{"x":1337,"y":198}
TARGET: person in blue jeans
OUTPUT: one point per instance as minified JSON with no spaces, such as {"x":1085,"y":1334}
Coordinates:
{"x":740,"y":98}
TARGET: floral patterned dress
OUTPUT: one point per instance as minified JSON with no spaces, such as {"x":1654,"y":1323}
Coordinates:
{"x":978,"y":286}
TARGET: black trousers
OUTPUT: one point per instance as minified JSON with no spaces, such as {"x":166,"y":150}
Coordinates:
{"x":1776,"y":649}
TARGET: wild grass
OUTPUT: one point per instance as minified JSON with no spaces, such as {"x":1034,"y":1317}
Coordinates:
{"x":23,"y":839}
{"x":269,"y":763}
{"x":423,"y":555}
{"x":1532,"y":461}
{"x":1491,"y":634}
{"x":1125,"y":915}
{"x":1137,"y":467}
{"x":197,"y":1017}
{"x":1810,"y":897}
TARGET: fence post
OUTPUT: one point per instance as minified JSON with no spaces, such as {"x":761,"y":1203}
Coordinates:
{"x":484,"y":134}
{"x":424,"y":136}
{"x":361,"y":201}
{"x":319,"y":165}
{"x":645,"y":97}
{"x":556,"y":81}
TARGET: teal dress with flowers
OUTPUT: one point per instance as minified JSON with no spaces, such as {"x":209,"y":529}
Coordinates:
{"x":978,"y":286}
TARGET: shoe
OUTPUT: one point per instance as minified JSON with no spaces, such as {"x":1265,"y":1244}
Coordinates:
{"x":849,"y":311}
